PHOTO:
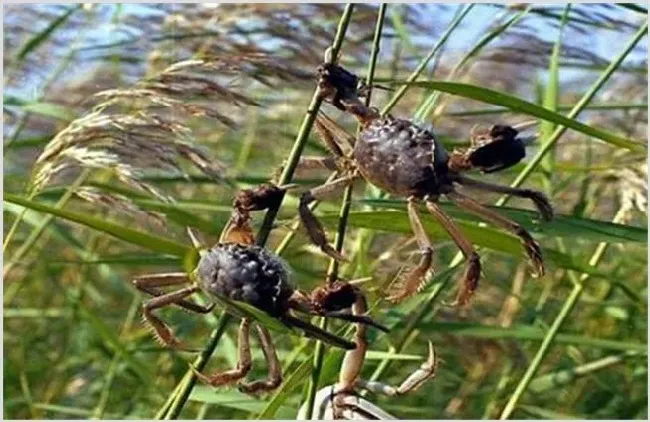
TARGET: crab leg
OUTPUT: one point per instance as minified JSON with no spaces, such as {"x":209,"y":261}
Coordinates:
{"x":539,"y":199}
{"x":351,"y":369}
{"x":244,"y":363}
{"x":314,"y":227}
{"x":275,"y":372}
{"x":330,"y":132}
{"x":473,"y":265}
{"x":532,"y":248}
{"x":415,"y":279}
{"x":414,"y":381}
{"x":311,"y":163}
{"x":149,"y":283}
{"x":164,"y":333}
{"x":352,"y":361}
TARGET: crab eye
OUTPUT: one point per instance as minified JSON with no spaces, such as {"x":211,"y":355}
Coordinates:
{"x":498,"y":149}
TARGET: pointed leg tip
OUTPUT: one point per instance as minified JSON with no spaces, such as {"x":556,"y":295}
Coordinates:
{"x":432,"y":359}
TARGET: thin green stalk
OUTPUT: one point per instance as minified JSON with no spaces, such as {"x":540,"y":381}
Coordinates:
{"x":561,"y":317}
{"x":100,"y":409}
{"x":423,"y":64}
{"x":287,"y":174}
{"x":584,"y":101}
{"x":333,"y":270}
{"x":431,"y":102}
{"x":189,"y":380}
{"x":305,"y":128}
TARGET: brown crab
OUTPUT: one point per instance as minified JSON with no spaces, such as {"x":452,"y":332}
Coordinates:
{"x":234,"y":270}
{"x":406,"y":160}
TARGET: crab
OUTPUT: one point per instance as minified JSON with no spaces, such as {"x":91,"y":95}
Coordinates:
{"x":237,"y":271}
{"x":406,"y":160}
{"x":342,"y":401}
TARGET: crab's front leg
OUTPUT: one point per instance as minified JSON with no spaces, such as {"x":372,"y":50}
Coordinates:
{"x":238,"y":229}
{"x":314,"y":228}
{"x":345,"y":399}
{"x":150,"y":284}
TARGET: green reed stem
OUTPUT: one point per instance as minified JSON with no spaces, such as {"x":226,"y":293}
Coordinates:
{"x":189,"y":380}
{"x":305,"y":129}
{"x":333,"y":270}
{"x":561,"y":317}
{"x":580,"y":105}
{"x":578,"y":287}
{"x":423,"y":64}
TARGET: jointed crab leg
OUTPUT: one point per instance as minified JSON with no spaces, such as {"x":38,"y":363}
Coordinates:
{"x":149,"y":283}
{"x":309,"y":163}
{"x":473,"y":265}
{"x":331,"y":133}
{"x":275,"y":372}
{"x":162,"y":330}
{"x":532,"y":248}
{"x":413,"y":382}
{"x":344,"y":394}
{"x":314,"y":227}
{"x":244,"y":362}
{"x":414,"y":280}
{"x":541,"y":202}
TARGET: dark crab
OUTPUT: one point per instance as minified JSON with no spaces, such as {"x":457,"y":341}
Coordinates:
{"x":238,"y":271}
{"x":406,"y":160}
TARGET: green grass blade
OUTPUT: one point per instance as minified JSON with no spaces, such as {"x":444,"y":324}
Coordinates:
{"x":561,"y":226}
{"x":120,"y":231}
{"x":42,"y":108}
{"x":528,"y":332}
{"x":423,"y":64}
{"x":236,"y":400}
{"x":431,"y":101}
{"x":584,"y":101}
{"x":490,"y":96}
{"x":34,"y":42}
{"x":566,"y":376}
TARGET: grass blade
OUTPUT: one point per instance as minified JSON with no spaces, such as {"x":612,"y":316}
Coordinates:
{"x":39,"y":38}
{"x":153,"y":243}
{"x":490,"y":96}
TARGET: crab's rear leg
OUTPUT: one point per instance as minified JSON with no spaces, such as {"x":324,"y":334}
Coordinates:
{"x":539,"y":199}
{"x":314,"y":228}
{"x":532,"y":248}
{"x":244,"y":362}
{"x":162,"y":330}
{"x":275,"y":371}
{"x":415,"y":279}
{"x":473,"y":263}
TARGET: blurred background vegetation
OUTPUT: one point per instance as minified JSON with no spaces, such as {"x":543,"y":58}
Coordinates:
{"x":570,"y":345}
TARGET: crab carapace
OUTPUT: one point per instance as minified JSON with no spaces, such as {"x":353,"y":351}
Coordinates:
{"x":406,"y":160}
{"x":240,"y":271}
